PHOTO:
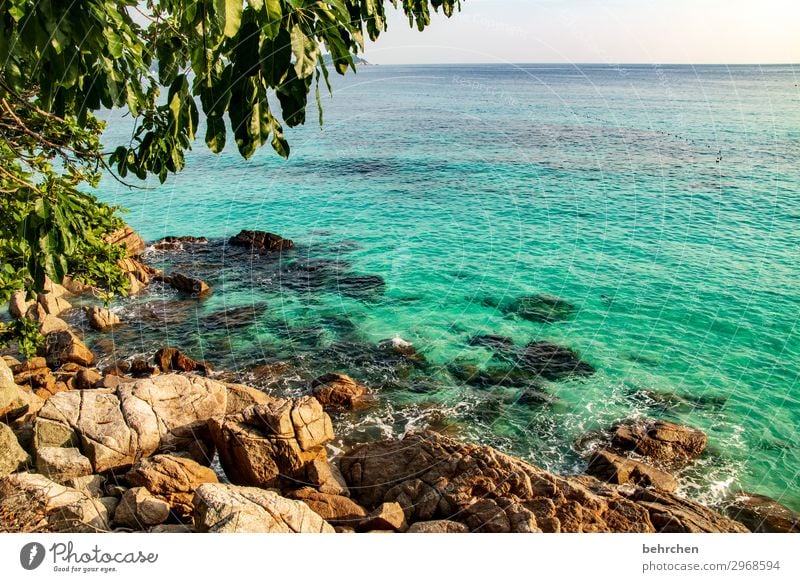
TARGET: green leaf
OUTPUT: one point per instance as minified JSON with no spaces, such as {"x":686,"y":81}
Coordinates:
{"x":274,"y":14}
{"x":276,"y":58}
{"x":215,"y":133}
{"x":229,"y":13}
{"x":305,"y":53}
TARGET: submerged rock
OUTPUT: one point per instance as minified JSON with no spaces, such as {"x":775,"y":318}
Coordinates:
{"x":493,"y":342}
{"x":662,"y":442}
{"x":553,"y":362}
{"x":763,"y":514}
{"x":261,"y":240}
{"x":173,"y":360}
{"x":541,"y":308}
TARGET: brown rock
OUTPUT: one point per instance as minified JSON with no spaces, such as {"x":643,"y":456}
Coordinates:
{"x":137,"y":274}
{"x":487,"y":517}
{"x":30,"y":365}
{"x":101,"y":319}
{"x":388,"y":516}
{"x":260,"y":240}
{"x":139,"y":509}
{"x":339,"y":391}
{"x":172,"y":479}
{"x":326,"y":477}
{"x":127,"y":237}
{"x":15,"y":402}
{"x":53,"y":305}
{"x":141,"y":369}
{"x":665,"y":443}
{"x":334,"y":509}
{"x":438,"y":526}
{"x":87,"y":379}
{"x":763,"y":514}
{"x":241,"y":397}
{"x":613,"y":468}
{"x":13,"y":457}
{"x":172,"y":359}
{"x":65,"y":346}
{"x":51,"y":323}
{"x":18,"y":305}
{"x":187,"y":285}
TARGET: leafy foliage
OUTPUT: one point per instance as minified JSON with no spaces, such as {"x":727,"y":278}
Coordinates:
{"x":247,"y":65}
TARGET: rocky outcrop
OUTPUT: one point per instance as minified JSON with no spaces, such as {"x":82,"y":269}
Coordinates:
{"x":62,"y":463}
{"x":30,"y":502}
{"x":13,"y":457}
{"x":172,"y":479}
{"x":127,"y":237}
{"x":260,"y":240}
{"x":230,"y":508}
{"x":612,"y":468}
{"x":101,"y":319}
{"x":387,"y":516}
{"x":186,"y":285}
{"x":137,"y":274}
{"x":18,"y":305}
{"x":664,"y":443}
{"x":116,"y":428}
{"x":138,"y":509}
{"x":64,"y":346}
{"x":241,"y":397}
{"x":15,"y":401}
{"x":339,"y":391}
{"x":434,"y":477}
{"x":173,"y":360}
{"x":763,"y":514}
{"x":335,"y":509}
{"x":177,"y":243}
{"x":271,"y":442}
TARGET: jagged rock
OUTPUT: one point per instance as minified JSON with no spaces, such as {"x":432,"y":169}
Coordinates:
{"x":388,"y":516}
{"x":50,"y":324}
{"x":87,"y":378}
{"x":29,"y":365}
{"x":172,"y":479}
{"x":141,"y":369}
{"x":101,"y":319}
{"x":258,"y":239}
{"x":241,"y":397}
{"x":665,"y":443}
{"x":402,"y":348}
{"x":229,"y":508}
{"x":52,"y":304}
{"x":13,"y":457}
{"x":15,"y":402}
{"x":187,"y":285}
{"x":18,"y":305}
{"x":176,"y":243}
{"x":137,"y":274}
{"x":172,"y":359}
{"x":127,"y":237}
{"x":335,"y":509}
{"x":326,"y":477}
{"x":92,"y":485}
{"x":763,"y":514}
{"x":272,"y":440}
{"x":444,"y":476}
{"x":613,"y":468}
{"x":139,"y":509}
{"x":339,"y":391}
{"x":438,"y":526}
{"x":65,"y":346}
{"x":49,"y":506}
{"x":60,"y":464}
{"x":138,"y":419}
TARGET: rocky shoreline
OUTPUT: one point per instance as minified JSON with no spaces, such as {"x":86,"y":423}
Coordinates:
{"x":165,"y":445}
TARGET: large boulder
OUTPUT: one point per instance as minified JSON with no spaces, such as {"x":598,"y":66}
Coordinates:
{"x":613,"y":468}
{"x":438,"y":526}
{"x":18,"y":305}
{"x":15,"y":401}
{"x":339,"y":391}
{"x":54,"y":304}
{"x":271,"y":442}
{"x":139,"y":509}
{"x":13,"y":457}
{"x":172,"y":479}
{"x":116,"y":428}
{"x":128,"y":238}
{"x":241,"y":397}
{"x":137,"y":274}
{"x":435,"y":477}
{"x":763,"y":514}
{"x":62,"y":463}
{"x":187,"y":285}
{"x":229,"y":508}
{"x":100,"y":318}
{"x":334,"y":509}
{"x":31,"y":502}
{"x":173,"y":360}
{"x":664,"y":443}
{"x":64,"y":346}
{"x":260,"y":240}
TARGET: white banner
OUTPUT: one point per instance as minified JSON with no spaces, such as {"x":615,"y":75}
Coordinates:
{"x":424,"y":557}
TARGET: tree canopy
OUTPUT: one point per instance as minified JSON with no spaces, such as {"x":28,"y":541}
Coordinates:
{"x":164,"y":61}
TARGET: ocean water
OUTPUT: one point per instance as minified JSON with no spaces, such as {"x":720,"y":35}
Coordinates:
{"x":661,"y":202}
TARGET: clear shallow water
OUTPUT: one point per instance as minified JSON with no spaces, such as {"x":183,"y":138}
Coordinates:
{"x":662,"y":202}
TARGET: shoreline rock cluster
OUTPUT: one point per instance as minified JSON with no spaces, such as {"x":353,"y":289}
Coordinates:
{"x":133,"y":447}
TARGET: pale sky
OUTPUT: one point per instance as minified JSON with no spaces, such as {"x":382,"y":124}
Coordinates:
{"x":600,"y":31}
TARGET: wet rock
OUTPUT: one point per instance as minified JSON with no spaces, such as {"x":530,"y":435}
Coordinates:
{"x":763,"y":514}
{"x":665,"y":443}
{"x":335,"y":509}
{"x":114,"y":430}
{"x":271,"y":441}
{"x":172,"y":359}
{"x":177,"y":243}
{"x":361,"y":286}
{"x":553,"y":362}
{"x":261,"y":240}
{"x":101,"y":319}
{"x":612,"y":468}
{"x":491,"y":376}
{"x":541,"y":308}
{"x":139,"y":509}
{"x":39,"y":504}
{"x":64,"y":346}
{"x":13,"y":457}
{"x":447,"y":476}
{"x":60,"y":464}
{"x":402,"y":348}
{"x":229,"y":508}
{"x":438,"y":526}
{"x":119,"y":368}
{"x":137,"y":274}
{"x":171,"y":479}
{"x":187,"y":285}
{"x":234,"y":318}
{"x":87,"y":379}
{"x":493,"y":342}
{"x":339,"y":391}
{"x":272,"y":374}
{"x":127,"y":237}
{"x":140,"y":368}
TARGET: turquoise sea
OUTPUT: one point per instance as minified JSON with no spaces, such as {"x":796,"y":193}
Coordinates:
{"x":662,"y":202}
